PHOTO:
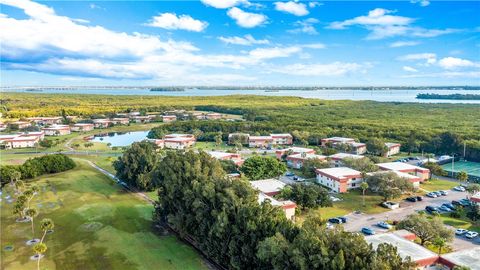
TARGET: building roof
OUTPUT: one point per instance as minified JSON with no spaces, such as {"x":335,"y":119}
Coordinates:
{"x":297,"y":150}
{"x":220,"y":155}
{"x":357,"y":144}
{"x":390,"y":144}
{"x":259,"y":138}
{"x":281,"y":135}
{"x":23,"y":138}
{"x":284,"y":204}
{"x":411,"y":178}
{"x":179,"y":139}
{"x":57,"y":127}
{"x":82,"y":124}
{"x":476,"y":197}
{"x":339,"y":172}
{"x":405,"y":248}
{"x":306,"y":156}
{"x":400,"y":166}
{"x":268,"y":185}
{"x":339,"y":139}
{"x":467,"y":257}
{"x":169,"y":116}
{"x":341,"y":156}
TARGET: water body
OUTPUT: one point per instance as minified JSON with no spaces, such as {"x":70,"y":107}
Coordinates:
{"x":353,"y":94}
{"x":120,"y":139}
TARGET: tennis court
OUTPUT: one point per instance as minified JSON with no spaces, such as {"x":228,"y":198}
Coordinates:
{"x":471,"y":168}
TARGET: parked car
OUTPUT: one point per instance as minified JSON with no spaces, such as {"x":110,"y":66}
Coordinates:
{"x":335,"y":221}
{"x":368,"y":231}
{"x":459,"y":188}
{"x":390,"y":205}
{"x":443,"y":192}
{"x":471,"y":234}
{"x":444,"y":208}
{"x":411,"y":199}
{"x":456,"y":203}
{"x":460,"y":231}
{"x":419,"y":198}
{"x":289,"y":174}
{"x":431,"y":195}
{"x":431,"y":209}
{"x":343,"y":219}
{"x":449,"y":205}
{"x":385,"y":225}
{"x":438,"y":193}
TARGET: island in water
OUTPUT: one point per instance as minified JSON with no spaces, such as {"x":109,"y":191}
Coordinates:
{"x":168,"y":89}
{"x":449,"y":96}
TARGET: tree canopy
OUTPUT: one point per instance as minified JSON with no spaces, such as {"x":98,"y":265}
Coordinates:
{"x":426,"y":228}
{"x":388,"y":184}
{"x":261,"y":167}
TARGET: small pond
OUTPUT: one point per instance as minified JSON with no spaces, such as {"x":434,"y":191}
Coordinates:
{"x":120,"y":138}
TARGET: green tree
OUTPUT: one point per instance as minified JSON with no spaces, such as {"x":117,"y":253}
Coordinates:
{"x":9,"y":174}
{"x":310,"y":165}
{"x":261,"y":167}
{"x":229,"y":166}
{"x":32,"y":213}
{"x":388,"y":184}
{"x":377,"y":147}
{"x":360,"y":164}
{"x":474,"y":213}
{"x":425,"y":228}
{"x":39,"y":250}
{"x":307,"y":196}
{"x":462,"y":176}
{"x":218,"y":139}
{"x":439,"y":243}
{"x":46,"y":225}
{"x":434,"y":169}
{"x":136,"y":164}
{"x":472,"y":189}
{"x":364,"y":187}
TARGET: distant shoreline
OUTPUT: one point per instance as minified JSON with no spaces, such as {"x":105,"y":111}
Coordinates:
{"x":450,"y":96}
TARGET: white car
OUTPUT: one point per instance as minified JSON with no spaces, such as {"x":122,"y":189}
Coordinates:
{"x":459,"y":188}
{"x":460,"y":231}
{"x":471,"y":234}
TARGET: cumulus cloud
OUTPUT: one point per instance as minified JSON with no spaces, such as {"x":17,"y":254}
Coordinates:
{"x":330,"y":69}
{"x":223,"y":4}
{"x":297,"y":9}
{"x":246,"y":40}
{"x":430,"y":58}
{"x":409,"y":69}
{"x":422,"y":3}
{"x":246,"y":19}
{"x":171,"y":21}
{"x":399,"y":44}
{"x":446,"y":74}
{"x":305,"y":26}
{"x":455,"y":63}
{"x":383,"y":24}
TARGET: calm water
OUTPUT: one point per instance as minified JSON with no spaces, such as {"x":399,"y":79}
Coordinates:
{"x":376,"y":95}
{"x":121,"y":138}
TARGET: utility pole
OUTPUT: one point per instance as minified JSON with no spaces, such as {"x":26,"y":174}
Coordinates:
{"x":464,"y":149}
{"x":453,"y":166}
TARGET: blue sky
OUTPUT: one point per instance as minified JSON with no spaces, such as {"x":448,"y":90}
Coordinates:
{"x":240,"y":42}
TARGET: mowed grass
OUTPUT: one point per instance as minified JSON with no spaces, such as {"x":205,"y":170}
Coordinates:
{"x":462,"y":223}
{"x":97,"y":226}
{"x":438,"y":184}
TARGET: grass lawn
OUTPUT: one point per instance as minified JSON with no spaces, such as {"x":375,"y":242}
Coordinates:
{"x":97,"y":226}
{"x":209,"y":146}
{"x":462,"y":223}
{"x":437,"y":184}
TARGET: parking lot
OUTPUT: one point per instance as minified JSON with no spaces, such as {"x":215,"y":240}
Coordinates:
{"x":356,"y":221}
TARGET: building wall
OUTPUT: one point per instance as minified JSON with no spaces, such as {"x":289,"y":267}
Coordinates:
{"x":393,"y":150}
{"x":289,"y":213}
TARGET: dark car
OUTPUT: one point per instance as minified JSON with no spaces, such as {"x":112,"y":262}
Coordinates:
{"x":456,"y":203}
{"x":431,"y":209}
{"x":343,"y":219}
{"x":368,"y":231}
{"x":335,"y":220}
{"x":449,"y":205}
{"x":465,"y":202}
{"x":419,"y":198}
{"x":411,"y":199}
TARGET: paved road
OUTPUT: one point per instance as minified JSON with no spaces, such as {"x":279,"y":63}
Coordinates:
{"x":357,"y":221}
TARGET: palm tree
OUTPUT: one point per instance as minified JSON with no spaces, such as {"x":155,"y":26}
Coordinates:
{"x":39,"y":249}
{"x":31,"y":213}
{"x":364,"y":187}
{"x":19,"y":185}
{"x":30,"y":193}
{"x":439,"y":243}
{"x":46,"y":225}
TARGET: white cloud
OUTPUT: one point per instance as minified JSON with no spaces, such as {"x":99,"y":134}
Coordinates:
{"x":455,"y":63}
{"x":95,"y":6}
{"x":382,"y":24}
{"x":297,"y":9}
{"x":430,"y":58}
{"x":331,"y":69}
{"x":399,"y":44}
{"x":223,"y":4}
{"x":447,"y":74}
{"x":409,"y":69}
{"x":305,"y":26}
{"x":422,"y":3}
{"x":246,"y":19}
{"x":314,"y":4}
{"x":246,"y":40}
{"x":171,"y":21}
{"x":274,"y":52}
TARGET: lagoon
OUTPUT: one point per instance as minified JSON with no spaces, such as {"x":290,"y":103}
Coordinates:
{"x":391,"y":95}
{"x":119,"y":139}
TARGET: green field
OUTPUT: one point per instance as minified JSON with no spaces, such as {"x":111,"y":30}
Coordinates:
{"x":438,"y":184}
{"x":98,"y":226}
